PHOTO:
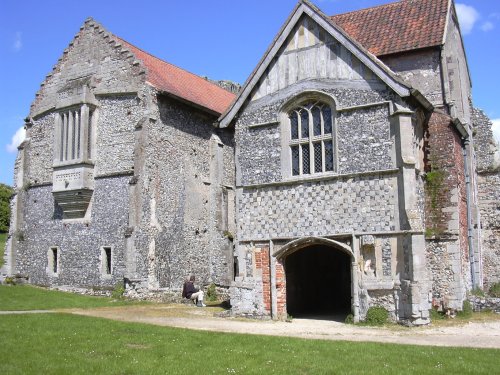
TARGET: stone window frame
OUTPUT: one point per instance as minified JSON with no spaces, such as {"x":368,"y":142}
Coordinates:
{"x":54,"y":254}
{"x":287,"y":143}
{"x":106,"y":264}
{"x":74,"y":134}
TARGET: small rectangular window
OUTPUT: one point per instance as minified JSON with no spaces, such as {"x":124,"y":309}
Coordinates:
{"x":53,"y":256}
{"x":54,"y":259}
{"x":107,"y":265}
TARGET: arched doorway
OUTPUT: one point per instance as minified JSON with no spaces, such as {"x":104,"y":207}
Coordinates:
{"x":318,"y":282}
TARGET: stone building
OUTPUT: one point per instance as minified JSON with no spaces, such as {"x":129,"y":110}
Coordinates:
{"x":351,"y":170}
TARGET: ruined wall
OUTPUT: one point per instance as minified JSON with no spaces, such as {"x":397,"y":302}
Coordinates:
{"x":488,"y":167}
{"x":487,"y":150}
{"x":446,"y":212}
{"x":185,"y":176}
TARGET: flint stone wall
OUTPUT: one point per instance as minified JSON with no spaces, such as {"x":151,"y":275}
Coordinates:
{"x":79,"y":243}
{"x":443,"y":259}
{"x":114,"y":148}
{"x":363,"y":135}
{"x":489,"y":205}
{"x":247,"y":298}
{"x":482,"y":303}
{"x":179,"y":230}
{"x":319,"y":208}
{"x":39,"y":151}
{"x":488,"y":186}
{"x":420,"y":69}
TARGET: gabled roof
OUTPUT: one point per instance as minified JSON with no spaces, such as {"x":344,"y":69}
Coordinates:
{"x":397,"y":27}
{"x":181,"y":83}
{"x":305,"y":7}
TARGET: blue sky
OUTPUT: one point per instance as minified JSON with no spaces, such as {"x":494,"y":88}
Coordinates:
{"x":221,"y":39}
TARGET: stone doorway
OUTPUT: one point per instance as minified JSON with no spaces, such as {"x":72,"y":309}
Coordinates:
{"x":318,"y":282}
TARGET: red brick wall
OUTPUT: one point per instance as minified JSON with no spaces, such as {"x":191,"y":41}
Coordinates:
{"x":281,"y":289}
{"x":262,"y":263}
{"x":445,"y":153}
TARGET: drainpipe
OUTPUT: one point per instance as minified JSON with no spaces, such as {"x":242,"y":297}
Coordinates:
{"x":469,"y":212}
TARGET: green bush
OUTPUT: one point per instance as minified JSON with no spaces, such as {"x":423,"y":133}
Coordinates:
{"x":5,"y":194}
{"x":466,"y":310}
{"x":495,"y":290}
{"x":478,"y":292}
{"x":436,"y":315}
{"x":376,"y":316}
{"x":349,"y":319}
{"x":211,"y":293}
{"x":118,"y":291}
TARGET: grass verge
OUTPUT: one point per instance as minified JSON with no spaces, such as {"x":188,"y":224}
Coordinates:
{"x":25,"y":297}
{"x":67,"y":344}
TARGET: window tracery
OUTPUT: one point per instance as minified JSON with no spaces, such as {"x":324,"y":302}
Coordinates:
{"x":312,"y":139}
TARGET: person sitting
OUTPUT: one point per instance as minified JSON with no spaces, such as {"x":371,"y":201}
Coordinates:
{"x":189,"y":291}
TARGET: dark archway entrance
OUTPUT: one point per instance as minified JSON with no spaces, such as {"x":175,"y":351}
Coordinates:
{"x":318,"y":282}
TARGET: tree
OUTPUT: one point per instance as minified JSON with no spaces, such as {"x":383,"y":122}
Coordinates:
{"x":5,"y":194}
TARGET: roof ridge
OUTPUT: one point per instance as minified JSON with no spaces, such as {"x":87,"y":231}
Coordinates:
{"x":398,"y":26}
{"x":370,"y":8}
{"x":166,"y":62}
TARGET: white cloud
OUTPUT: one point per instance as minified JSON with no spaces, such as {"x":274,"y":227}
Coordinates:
{"x":16,"y":140}
{"x":18,"y":41}
{"x":496,"y":129}
{"x":467,"y":16}
{"x":487,"y":26}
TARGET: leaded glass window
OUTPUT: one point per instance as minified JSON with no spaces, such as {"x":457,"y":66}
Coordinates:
{"x":311,"y":139}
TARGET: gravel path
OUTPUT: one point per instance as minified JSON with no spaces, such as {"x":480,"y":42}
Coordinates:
{"x":474,"y":334}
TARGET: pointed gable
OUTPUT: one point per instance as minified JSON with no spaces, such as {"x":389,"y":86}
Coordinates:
{"x":117,"y":66}
{"x":310,"y":52}
{"x":349,"y":47}
{"x":397,"y":27}
{"x":181,"y":83}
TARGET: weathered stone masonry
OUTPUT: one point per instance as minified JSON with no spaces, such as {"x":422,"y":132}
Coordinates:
{"x":374,"y":178}
{"x":488,"y":166}
{"x":158,"y":174}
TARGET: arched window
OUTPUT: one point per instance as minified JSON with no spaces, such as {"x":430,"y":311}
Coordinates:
{"x":311,"y":139}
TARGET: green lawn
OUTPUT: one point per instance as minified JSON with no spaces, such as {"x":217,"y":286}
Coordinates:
{"x":20,"y":297}
{"x":3,"y":239}
{"x":59,"y":343}
{"x":67,"y":344}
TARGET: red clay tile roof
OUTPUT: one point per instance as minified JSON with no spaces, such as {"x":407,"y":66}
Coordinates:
{"x":397,"y":27}
{"x":181,"y":83}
